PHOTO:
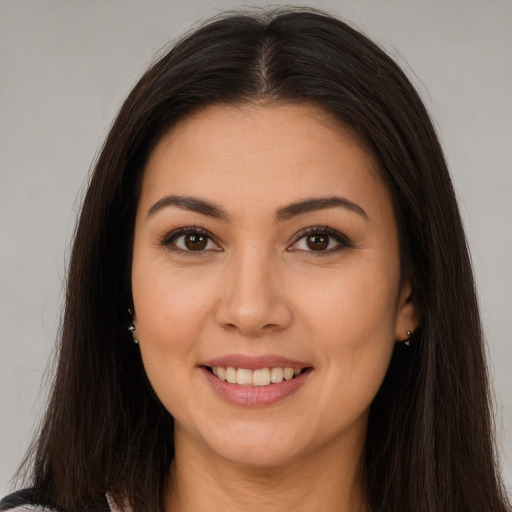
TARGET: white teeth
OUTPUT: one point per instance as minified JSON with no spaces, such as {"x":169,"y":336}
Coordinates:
{"x":260,"y":377}
{"x":231,"y":374}
{"x":276,"y":375}
{"x":288,"y":373}
{"x":243,"y":377}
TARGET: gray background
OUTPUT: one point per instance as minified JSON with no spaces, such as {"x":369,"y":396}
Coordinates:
{"x":65,"y":66}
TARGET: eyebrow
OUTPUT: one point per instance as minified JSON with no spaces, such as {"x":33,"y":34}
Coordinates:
{"x":193,"y":204}
{"x":298,"y":208}
{"x":318,"y":203}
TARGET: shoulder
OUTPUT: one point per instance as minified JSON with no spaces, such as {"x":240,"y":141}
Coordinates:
{"x":24,"y":501}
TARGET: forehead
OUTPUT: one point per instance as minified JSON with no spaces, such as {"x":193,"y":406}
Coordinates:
{"x":260,"y":153}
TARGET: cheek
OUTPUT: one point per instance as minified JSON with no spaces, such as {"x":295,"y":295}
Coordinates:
{"x":171,"y":312}
{"x":170,"y":303}
{"x":171,"y":307}
{"x":354,"y":307}
{"x":352,"y":321}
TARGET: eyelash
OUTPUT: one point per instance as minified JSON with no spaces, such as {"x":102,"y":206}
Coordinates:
{"x":169,"y":240}
{"x":341,"y":239}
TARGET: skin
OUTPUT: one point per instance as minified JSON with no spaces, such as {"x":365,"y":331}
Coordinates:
{"x":257,"y":288}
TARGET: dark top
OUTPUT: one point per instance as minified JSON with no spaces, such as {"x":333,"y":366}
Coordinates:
{"x":24,"y":500}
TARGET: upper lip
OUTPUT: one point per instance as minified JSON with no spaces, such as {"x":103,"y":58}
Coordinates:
{"x":254,"y":362}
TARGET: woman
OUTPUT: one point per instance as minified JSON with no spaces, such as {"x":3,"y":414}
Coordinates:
{"x":270,"y":302}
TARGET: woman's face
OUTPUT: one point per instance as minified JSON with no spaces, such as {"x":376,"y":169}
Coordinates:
{"x":266,"y":245}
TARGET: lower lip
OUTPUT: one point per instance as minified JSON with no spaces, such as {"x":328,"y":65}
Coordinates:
{"x":255,"y":396}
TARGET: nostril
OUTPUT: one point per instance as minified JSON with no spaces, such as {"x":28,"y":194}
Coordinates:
{"x":230,"y":327}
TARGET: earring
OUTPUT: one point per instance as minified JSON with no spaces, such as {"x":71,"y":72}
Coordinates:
{"x":408,"y":340}
{"x":131,"y":327}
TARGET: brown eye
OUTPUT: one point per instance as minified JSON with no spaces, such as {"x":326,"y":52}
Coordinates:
{"x":320,"y":241}
{"x":189,"y":240}
{"x":317,"y":242}
{"x":195,"y":242}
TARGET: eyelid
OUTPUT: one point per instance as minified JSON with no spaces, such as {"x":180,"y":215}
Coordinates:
{"x":169,"y":238}
{"x":343,"y":240}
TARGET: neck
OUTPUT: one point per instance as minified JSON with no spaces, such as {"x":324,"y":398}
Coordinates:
{"x":327,"y":480}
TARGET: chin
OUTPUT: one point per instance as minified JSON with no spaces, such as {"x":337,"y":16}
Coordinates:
{"x":255,"y":457}
{"x":258,"y":446}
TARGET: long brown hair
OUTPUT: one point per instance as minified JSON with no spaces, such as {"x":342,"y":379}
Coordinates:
{"x":430,"y":440}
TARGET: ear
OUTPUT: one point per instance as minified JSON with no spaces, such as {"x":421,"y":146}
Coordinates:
{"x":408,"y":314}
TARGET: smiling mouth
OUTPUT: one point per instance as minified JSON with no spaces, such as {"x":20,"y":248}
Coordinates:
{"x":260,"y":377}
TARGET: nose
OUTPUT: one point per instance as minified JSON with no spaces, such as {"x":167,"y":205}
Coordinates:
{"x":253,"y":298}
